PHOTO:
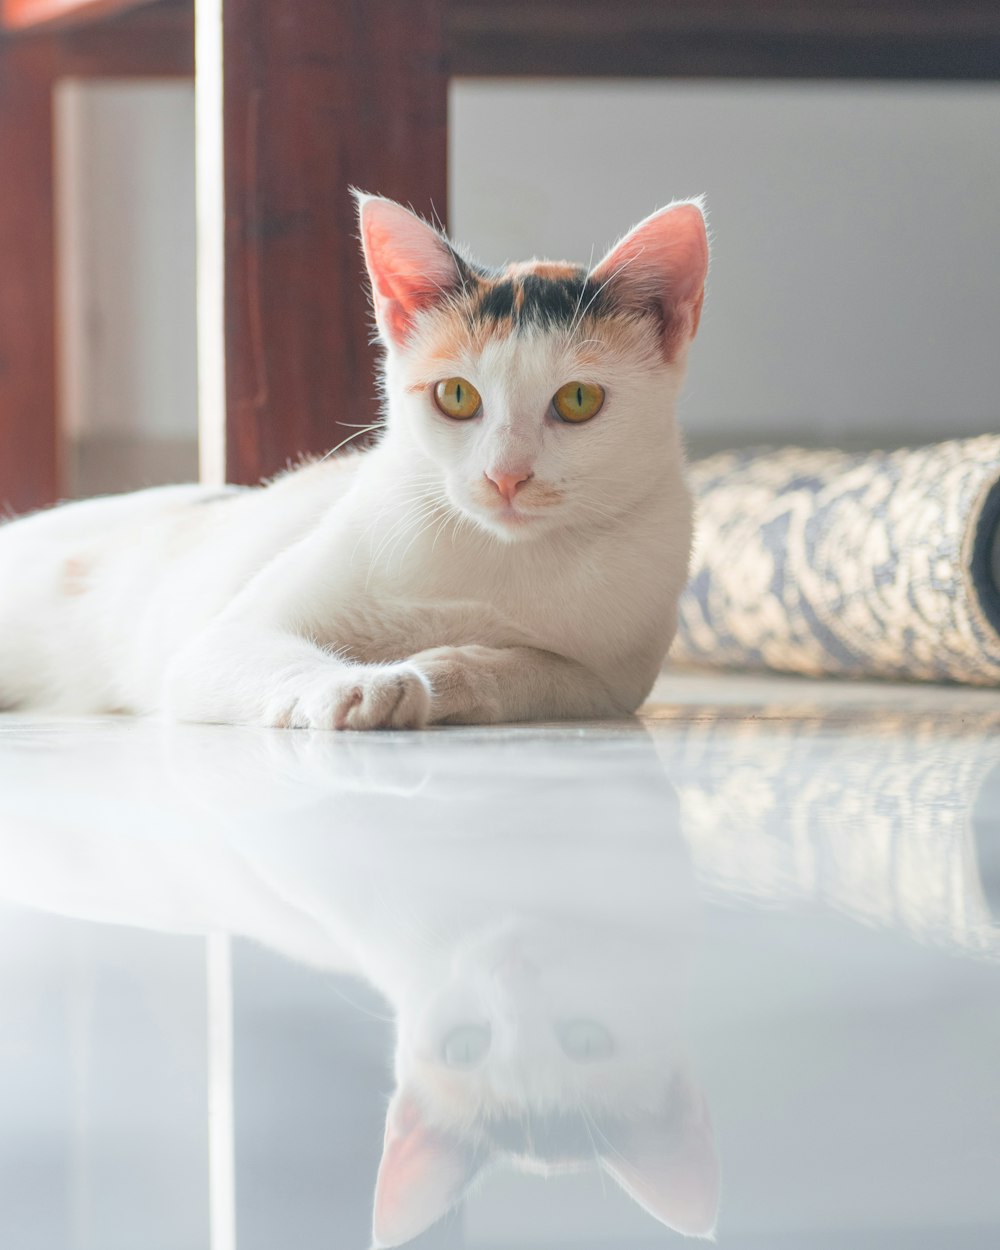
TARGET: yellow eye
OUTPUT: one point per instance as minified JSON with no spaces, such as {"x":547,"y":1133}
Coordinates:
{"x":578,"y":401}
{"x":457,"y":398}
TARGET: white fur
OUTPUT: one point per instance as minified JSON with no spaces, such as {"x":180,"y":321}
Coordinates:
{"x":384,"y":589}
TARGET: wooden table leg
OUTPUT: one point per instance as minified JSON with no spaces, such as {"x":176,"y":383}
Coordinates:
{"x":29,"y":465}
{"x":319,"y":95}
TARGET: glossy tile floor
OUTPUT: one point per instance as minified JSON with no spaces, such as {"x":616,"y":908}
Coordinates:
{"x":597,"y":980}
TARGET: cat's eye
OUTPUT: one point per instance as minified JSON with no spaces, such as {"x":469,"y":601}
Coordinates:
{"x":586,"y":1041}
{"x":578,"y":401}
{"x":458,"y":399}
{"x":466,"y":1046}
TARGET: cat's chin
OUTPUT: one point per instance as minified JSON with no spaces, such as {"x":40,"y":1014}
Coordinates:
{"x":511,"y":527}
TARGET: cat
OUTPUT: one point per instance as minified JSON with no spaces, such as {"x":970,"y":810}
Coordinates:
{"x":512,"y":548}
{"x":537,"y":971}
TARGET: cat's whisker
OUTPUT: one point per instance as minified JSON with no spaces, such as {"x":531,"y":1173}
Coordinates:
{"x":350,"y":438}
{"x":583,"y":287}
{"x":440,"y":529}
{"x":588,"y":1125}
{"x":607,"y":1149}
{"x":361,"y":1008}
{"x":416,"y":493}
{"x":370,"y":528}
{"x":423,"y":529}
{"x":399,"y":531}
{"x":413,"y":532}
{"x":609,"y":279}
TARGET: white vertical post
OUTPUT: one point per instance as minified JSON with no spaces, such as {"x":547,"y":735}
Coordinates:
{"x":221,"y":1136}
{"x":210,"y":199}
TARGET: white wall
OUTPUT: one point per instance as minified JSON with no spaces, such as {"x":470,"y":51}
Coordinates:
{"x":855,"y":290}
{"x":125,"y":176}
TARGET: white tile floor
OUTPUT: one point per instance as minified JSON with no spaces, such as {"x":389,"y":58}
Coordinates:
{"x":785,"y":895}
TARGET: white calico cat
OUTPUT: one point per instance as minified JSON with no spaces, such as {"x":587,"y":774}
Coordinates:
{"x":537,"y":969}
{"x":512,"y":549}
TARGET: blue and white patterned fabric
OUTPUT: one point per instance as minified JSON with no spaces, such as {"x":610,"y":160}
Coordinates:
{"x":892,"y":823}
{"x":829,"y":563}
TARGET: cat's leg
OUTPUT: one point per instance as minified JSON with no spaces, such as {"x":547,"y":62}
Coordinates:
{"x":252,"y":675}
{"x":277,"y":654}
{"x":476,"y":685}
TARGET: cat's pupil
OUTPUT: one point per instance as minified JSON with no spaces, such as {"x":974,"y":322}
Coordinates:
{"x":585,"y":1040}
{"x":458,"y":393}
{"x":466,"y":1045}
{"x":579,"y":396}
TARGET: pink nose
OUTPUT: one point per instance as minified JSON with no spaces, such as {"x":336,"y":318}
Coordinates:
{"x":508,"y":484}
{"x":514,"y":970}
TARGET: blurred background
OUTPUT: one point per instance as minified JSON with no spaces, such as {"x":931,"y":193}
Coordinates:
{"x":855,"y":290}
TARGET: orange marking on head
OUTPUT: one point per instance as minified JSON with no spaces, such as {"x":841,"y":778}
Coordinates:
{"x":619,"y":337}
{"x":554,"y":269}
{"x":448,"y":337}
{"x":75,"y":576}
{"x":502,"y":328}
{"x":454,"y":334}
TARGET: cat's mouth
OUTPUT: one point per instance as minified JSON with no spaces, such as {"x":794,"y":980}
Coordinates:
{"x":510,"y":514}
{"x":508,"y":520}
{"x":527,"y":508}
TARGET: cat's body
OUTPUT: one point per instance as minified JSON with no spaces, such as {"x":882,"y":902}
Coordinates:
{"x":506,"y":563}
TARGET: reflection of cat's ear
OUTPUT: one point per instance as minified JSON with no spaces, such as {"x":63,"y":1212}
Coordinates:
{"x":667,"y":1162}
{"x":662,"y":264}
{"x":422,"y":1175}
{"x":409,"y":263}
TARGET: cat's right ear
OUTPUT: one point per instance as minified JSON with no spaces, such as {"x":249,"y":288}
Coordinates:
{"x":423,"y":1174}
{"x":666,"y":1161}
{"x":662,"y":265}
{"x":409,"y":263}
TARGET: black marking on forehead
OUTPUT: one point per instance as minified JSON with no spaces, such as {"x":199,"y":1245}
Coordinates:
{"x":531,"y":299}
{"x":469,"y":275}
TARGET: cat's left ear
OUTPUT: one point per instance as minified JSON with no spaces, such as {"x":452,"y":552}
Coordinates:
{"x":423,"y":1174}
{"x":667,"y":1162}
{"x":662,"y":265}
{"x":409,"y":263}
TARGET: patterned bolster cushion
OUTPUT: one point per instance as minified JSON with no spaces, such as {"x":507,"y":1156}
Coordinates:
{"x":828,"y":563}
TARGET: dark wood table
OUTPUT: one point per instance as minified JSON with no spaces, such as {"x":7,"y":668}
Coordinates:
{"x":319,"y":95}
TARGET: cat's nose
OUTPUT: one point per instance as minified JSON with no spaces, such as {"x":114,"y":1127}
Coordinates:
{"x":515,"y":971}
{"x":508,"y":484}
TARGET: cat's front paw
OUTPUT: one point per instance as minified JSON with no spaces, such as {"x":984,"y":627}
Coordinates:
{"x":393,"y":696}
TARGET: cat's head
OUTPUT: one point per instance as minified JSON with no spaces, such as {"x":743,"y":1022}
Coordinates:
{"x":547,"y":1046}
{"x":539,"y":395}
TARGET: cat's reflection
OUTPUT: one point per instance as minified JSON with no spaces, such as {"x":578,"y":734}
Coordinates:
{"x":532,"y":935}
{"x":529,"y":919}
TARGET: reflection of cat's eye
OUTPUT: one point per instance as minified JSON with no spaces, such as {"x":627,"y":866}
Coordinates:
{"x":585,"y":1040}
{"x":578,"y":401}
{"x":457,"y":399}
{"x":466,"y":1046}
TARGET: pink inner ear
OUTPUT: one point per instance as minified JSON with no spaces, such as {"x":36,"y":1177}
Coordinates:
{"x":409,"y":264}
{"x":664,"y":259}
{"x":422,"y":1175}
{"x":668,"y":1164}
